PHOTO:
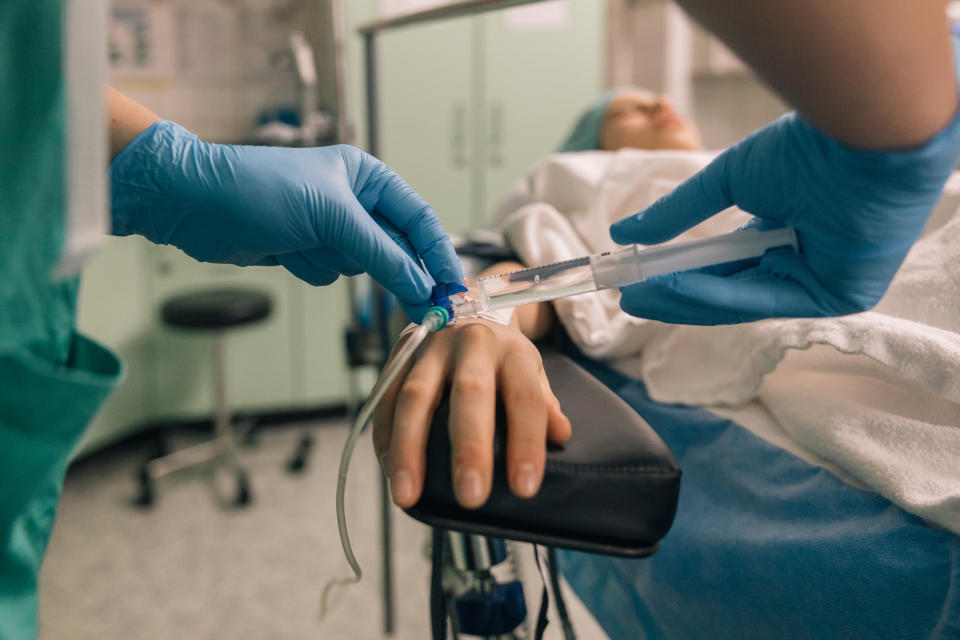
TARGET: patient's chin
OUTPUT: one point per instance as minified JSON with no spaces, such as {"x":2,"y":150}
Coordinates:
{"x":680,"y":140}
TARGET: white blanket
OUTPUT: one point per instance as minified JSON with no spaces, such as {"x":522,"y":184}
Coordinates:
{"x":874,"y":397}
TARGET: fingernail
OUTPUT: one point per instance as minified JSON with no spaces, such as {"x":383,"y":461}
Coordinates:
{"x":401,"y":485}
{"x":469,"y":487}
{"x":526,"y":480}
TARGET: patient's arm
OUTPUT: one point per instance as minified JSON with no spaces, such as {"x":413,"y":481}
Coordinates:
{"x":872,"y":73}
{"x":481,"y":360}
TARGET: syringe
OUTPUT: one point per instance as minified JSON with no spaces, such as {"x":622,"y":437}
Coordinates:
{"x":615,"y":269}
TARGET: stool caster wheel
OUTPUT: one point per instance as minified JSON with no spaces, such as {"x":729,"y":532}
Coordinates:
{"x":249,"y":439}
{"x":298,"y":462}
{"x":248,"y":431}
{"x":243,"y":496}
{"x":146,"y":496}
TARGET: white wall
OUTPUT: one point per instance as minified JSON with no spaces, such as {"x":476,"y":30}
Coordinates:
{"x":727,"y":108}
{"x":213,"y":65}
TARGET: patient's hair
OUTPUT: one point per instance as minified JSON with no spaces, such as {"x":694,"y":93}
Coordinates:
{"x":632,"y":118}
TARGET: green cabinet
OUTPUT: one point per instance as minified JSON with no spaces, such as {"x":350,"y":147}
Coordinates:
{"x":537,"y":81}
{"x":426,"y":114}
{"x":293,"y":359}
{"x":259,"y":372}
{"x":321,"y":313}
{"x":469,"y":105}
{"x":114,"y":308}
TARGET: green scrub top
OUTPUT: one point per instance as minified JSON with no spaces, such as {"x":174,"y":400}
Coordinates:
{"x":51,"y":379}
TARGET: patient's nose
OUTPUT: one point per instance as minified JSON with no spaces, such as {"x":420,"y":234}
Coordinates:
{"x":662,"y":105}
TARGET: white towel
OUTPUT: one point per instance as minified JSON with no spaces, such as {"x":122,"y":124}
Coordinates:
{"x":874,"y":397}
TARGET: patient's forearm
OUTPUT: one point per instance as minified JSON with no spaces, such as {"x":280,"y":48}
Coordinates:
{"x":872,"y":73}
{"x":533,"y":320}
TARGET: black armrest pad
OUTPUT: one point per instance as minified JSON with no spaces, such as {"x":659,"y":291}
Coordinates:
{"x":612,"y":488}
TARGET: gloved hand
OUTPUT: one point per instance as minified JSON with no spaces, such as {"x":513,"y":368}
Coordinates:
{"x":856,"y":214}
{"x":319,"y":212}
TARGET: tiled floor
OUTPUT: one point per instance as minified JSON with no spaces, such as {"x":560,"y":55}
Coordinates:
{"x":190,"y":569}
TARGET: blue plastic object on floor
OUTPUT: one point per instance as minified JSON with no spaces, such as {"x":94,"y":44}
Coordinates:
{"x":765,"y":545}
{"x":500,"y":611}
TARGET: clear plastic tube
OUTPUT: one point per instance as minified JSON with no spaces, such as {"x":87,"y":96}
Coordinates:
{"x":433,"y":320}
{"x":616,"y":269}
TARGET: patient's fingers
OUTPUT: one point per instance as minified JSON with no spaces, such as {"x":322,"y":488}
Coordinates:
{"x":472,"y":412}
{"x":525,"y":404}
{"x":558,"y":425}
{"x":416,"y":400}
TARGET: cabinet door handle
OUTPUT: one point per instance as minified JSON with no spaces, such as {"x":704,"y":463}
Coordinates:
{"x":458,"y":135}
{"x":495,"y":147}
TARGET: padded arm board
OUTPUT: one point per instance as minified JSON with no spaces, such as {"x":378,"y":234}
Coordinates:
{"x":611,"y":489}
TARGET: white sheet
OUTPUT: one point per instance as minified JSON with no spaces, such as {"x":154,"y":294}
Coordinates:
{"x":563,"y":210}
{"x":873,"y":397}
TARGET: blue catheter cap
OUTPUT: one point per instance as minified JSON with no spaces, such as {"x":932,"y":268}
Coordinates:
{"x":442,"y":292}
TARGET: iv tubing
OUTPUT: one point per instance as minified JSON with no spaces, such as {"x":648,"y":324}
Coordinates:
{"x":436,"y":318}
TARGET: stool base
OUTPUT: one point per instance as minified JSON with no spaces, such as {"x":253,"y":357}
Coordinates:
{"x":214,"y":451}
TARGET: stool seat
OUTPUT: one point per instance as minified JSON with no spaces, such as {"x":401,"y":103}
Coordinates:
{"x":216,"y":308}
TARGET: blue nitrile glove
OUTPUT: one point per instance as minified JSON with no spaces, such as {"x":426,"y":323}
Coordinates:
{"x":856,"y":214}
{"x":319,"y":212}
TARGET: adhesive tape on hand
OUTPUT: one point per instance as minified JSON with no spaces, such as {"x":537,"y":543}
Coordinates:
{"x":500,"y":316}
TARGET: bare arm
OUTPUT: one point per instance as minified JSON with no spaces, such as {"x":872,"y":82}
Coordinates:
{"x":872,"y":73}
{"x":127,"y":118}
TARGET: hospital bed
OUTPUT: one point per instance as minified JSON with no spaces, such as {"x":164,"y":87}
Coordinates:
{"x":763,"y":545}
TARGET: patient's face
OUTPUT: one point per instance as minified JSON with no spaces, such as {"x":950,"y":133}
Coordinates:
{"x":639,"y":119}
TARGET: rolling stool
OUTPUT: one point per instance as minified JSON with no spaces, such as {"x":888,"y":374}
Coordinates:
{"x":213,"y":310}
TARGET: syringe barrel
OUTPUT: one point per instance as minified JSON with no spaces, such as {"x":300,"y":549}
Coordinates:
{"x":616,"y":268}
{"x":630,"y":265}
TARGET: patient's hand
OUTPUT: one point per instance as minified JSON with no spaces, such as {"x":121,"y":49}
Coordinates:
{"x":482,"y":359}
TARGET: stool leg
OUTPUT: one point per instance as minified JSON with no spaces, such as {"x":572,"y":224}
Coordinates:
{"x":298,"y":462}
{"x":163,"y":465}
{"x":221,"y":422}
